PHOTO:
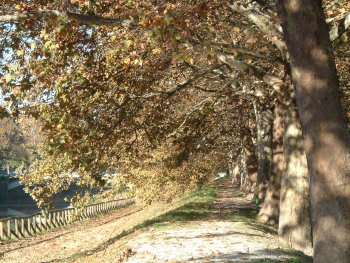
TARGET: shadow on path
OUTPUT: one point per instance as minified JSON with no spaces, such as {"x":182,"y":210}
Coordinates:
{"x":260,"y":256}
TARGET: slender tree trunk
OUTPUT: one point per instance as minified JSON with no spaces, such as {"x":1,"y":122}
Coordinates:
{"x":294,"y":220}
{"x":230,"y":165}
{"x":264,"y":123}
{"x":269,"y":212}
{"x":236,"y":177}
{"x":242,"y":165}
{"x":324,"y":127}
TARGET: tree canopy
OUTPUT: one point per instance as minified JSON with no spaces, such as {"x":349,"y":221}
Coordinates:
{"x":163,"y":92}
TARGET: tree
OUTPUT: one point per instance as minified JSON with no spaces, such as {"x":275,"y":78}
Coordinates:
{"x":177,"y":81}
{"x":21,"y":140}
{"x":294,"y":219}
{"x":325,"y":131}
{"x":270,"y":210}
{"x":13,"y":151}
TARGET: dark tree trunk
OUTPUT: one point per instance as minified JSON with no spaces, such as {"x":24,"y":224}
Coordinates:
{"x":324,"y":127}
{"x":294,"y":220}
{"x":269,"y":212}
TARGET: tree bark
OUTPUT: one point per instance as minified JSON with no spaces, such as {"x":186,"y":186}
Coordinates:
{"x":324,"y":127}
{"x":269,"y":212}
{"x":294,"y":221}
{"x":250,"y":181}
{"x":242,"y":166}
{"x":264,"y":123}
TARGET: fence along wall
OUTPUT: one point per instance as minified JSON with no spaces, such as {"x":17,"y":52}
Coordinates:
{"x":20,"y":227}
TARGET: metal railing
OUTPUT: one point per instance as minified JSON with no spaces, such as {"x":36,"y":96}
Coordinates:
{"x":23,"y":226}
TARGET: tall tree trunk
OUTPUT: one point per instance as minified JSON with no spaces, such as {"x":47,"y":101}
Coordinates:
{"x":242,"y":165}
{"x":234,"y":168}
{"x":236,"y":177}
{"x":294,"y":220}
{"x":269,"y":212}
{"x":324,"y":127}
{"x":264,"y":123}
{"x":230,"y":165}
{"x":250,"y":181}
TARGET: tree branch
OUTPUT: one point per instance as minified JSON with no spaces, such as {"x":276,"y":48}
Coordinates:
{"x":188,"y":114}
{"x":251,"y":14}
{"x":263,"y":23}
{"x":101,"y":21}
{"x":85,"y":19}
{"x":275,"y":82}
{"x":30,"y":15}
{"x":249,"y":52}
{"x":171,"y":91}
{"x":207,"y":90}
{"x":338,"y":30}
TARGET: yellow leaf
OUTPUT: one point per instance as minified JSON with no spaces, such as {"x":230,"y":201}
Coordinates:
{"x":126,"y":61}
{"x":251,"y":41}
{"x":8,"y":78}
{"x":342,"y":10}
{"x":157,"y":50}
{"x":18,"y":7}
{"x":20,"y":52}
{"x":236,"y":29}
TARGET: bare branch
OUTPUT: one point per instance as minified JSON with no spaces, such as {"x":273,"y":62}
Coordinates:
{"x":101,"y":21}
{"x":171,"y":91}
{"x":85,"y":19}
{"x":245,"y":51}
{"x":250,"y":13}
{"x":207,"y":90}
{"x":263,"y":23}
{"x":30,"y":15}
{"x":188,"y":114}
{"x":275,"y":82}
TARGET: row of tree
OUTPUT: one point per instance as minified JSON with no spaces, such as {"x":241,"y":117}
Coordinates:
{"x":169,"y":92}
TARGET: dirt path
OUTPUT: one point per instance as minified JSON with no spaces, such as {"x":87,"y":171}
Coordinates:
{"x":228,"y":234}
{"x":78,"y":240}
{"x":225,"y":231}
